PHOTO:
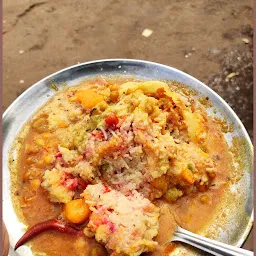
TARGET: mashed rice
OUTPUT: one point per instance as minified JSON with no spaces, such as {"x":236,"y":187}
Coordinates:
{"x":125,"y":224}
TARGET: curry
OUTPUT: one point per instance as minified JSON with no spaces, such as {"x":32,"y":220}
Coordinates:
{"x":109,"y":166}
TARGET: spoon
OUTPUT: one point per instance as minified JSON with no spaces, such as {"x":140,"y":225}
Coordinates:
{"x":208,"y":245}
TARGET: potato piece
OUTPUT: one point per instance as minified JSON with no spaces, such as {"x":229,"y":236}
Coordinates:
{"x":48,"y":159}
{"x":46,"y":135}
{"x":175,"y":97}
{"x":31,"y":160}
{"x":88,"y":98}
{"x":202,"y":188}
{"x":40,"y":142}
{"x":35,"y":184}
{"x":102,"y":105}
{"x":131,"y":86}
{"x":149,"y":87}
{"x":114,"y":96}
{"x":62,"y":124}
{"x":98,"y":250}
{"x":188,"y":176}
{"x":77,"y":211}
{"x":173,"y":194}
{"x":211,"y":175}
{"x":31,"y":149}
{"x":113,"y":87}
{"x":152,"y":86}
{"x":160,"y":183}
{"x":40,"y":124}
{"x":205,"y":199}
{"x":194,"y":122}
{"x":26,"y":176}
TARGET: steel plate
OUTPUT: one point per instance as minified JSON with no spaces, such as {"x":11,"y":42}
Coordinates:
{"x":38,"y":94}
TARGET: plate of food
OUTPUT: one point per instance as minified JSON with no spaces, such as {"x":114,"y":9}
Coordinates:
{"x":106,"y":157}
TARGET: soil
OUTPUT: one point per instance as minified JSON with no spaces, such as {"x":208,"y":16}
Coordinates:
{"x":210,"y":40}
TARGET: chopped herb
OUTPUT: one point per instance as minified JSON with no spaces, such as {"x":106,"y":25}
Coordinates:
{"x":54,"y":87}
{"x":203,"y":149}
{"x":190,"y":167}
{"x":104,"y":167}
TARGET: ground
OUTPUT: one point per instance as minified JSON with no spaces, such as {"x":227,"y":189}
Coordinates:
{"x":210,"y":40}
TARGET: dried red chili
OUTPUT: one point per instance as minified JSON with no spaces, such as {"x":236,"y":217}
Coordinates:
{"x":48,"y":225}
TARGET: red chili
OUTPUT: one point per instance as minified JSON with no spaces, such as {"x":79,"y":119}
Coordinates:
{"x":48,"y":225}
{"x":58,"y":155}
{"x":98,"y":135}
{"x":112,"y":120}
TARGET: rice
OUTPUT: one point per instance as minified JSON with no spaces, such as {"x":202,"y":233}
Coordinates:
{"x":125,"y":224}
{"x":53,"y":183}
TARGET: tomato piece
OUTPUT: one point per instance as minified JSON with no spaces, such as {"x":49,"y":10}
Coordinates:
{"x":107,"y":189}
{"x":98,"y":135}
{"x":112,"y":120}
{"x":58,"y":155}
{"x":71,"y":184}
{"x":82,"y":184}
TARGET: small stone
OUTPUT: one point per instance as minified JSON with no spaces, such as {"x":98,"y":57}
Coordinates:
{"x":119,"y":66}
{"x":21,"y":81}
{"x":21,"y":51}
{"x":229,"y":76}
{"x":245,"y":40}
{"x":147,"y":32}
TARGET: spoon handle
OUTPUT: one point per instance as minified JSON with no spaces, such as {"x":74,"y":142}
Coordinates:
{"x":208,"y":245}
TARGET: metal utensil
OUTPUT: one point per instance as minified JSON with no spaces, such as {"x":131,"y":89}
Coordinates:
{"x":208,"y":245}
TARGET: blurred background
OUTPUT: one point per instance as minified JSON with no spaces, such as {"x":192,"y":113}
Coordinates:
{"x":208,"y":39}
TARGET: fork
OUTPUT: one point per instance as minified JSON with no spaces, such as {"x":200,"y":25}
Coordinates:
{"x":208,"y":245}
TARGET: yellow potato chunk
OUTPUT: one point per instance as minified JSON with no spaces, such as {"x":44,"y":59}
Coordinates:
{"x":188,"y":176}
{"x":160,"y":183}
{"x":153,"y":86}
{"x":194,"y":122}
{"x":35,"y":184}
{"x":48,"y":159}
{"x":131,"y":86}
{"x":77,"y":211}
{"x":173,"y":194}
{"x":147,"y":87}
{"x":88,"y":98}
{"x":98,"y":250}
{"x":40,"y":124}
{"x":62,"y":124}
{"x":205,"y":199}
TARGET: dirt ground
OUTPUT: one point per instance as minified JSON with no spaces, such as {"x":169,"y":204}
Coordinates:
{"x":209,"y":39}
